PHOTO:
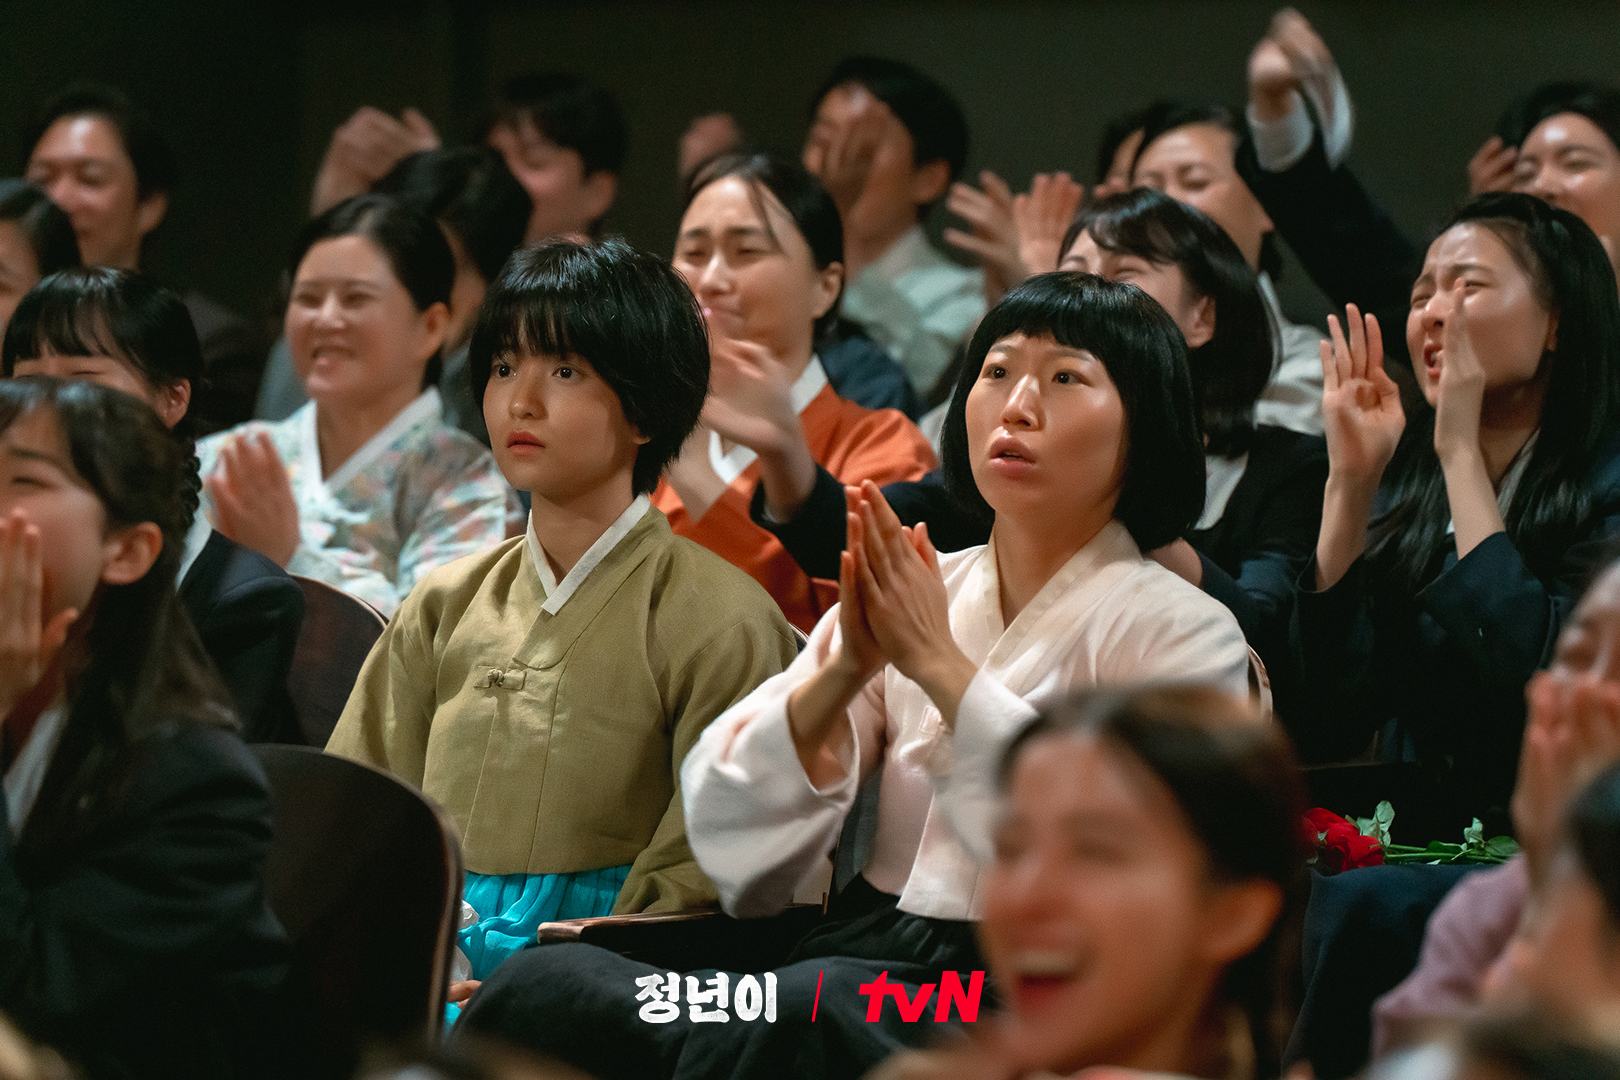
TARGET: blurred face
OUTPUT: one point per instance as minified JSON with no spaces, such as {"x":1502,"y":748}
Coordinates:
{"x":1046,"y":432}
{"x":895,"y":187}
{"x":19,"y":269}
{"x":1196,"y":164}
{"x":1165,"y":282}
{"x":567,"y":202}
{"x":81,"y":163}
{"x":557,"y":429}
{"x":355,"y":335}
{"x":1569,"y":959}
{"x":113,"y":373}
{"x":1509,"y":327}
{"x":466,"y":292}
{"x":749,"y":284}
{"x":1569,"y":161}
{"x":1100,"y":918}
{"x":38,"y":478}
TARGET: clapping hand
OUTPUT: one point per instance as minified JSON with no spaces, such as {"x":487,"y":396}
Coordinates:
{"x":1462,"y":384}
{"x":253,"y":499}
{"x":994,"y":236}
{"x":1492,"y":167}
{"x":1361,"y":405}
{"x":28,"y":644}
{"x":1572,"y":734}
{"x":750,"y":396}
{"x":841,"y":157}
{"x":364,"y":149}
{"x":1042,"y":216}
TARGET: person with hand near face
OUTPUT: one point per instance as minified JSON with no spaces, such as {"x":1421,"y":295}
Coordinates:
{"x":1148,"y":869}
{"x":545,"y":692}
{"x":135,"y":935}
{"x":886,"y":141}
{"x":365,"y":487}
{"x":760,"y":248}
{"x":102,"y":159}
{"x":36,"y":240}
{"x":1189,"y":152}
{"x":1073,"y":428}
{"x":1450,"y":545}
{"x":122,"y":329}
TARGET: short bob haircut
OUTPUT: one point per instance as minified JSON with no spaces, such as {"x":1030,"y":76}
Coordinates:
{"x":1241,"y":793}
{"x":813,"y":211}
{"x":929,"y":112}
{"x":1162,"y":492}
{"x":625,"y":312}
{"x":411,"y":241}
{"x":1232,"y":368}
{"x":472,"y":192}
{"x":43,"y":224}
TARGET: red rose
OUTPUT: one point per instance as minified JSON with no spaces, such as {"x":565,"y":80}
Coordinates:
{"x":1339,"y":844}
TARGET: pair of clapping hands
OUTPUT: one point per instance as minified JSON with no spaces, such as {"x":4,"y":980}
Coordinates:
{"x":253,"y":499}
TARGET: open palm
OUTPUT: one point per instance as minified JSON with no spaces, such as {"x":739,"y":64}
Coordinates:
{"x":1361,"y":405}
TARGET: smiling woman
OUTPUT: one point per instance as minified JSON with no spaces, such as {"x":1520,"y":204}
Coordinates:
{"x":365,"y":487}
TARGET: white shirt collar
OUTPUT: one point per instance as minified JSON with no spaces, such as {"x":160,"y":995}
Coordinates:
{"x":427,"y":405}
{"x":730,"y":465}
{"x":196,"y":539}
{"x":911,"y":252}
{"x":27,"y":773}
{"x":557,"y":593}
{"x":1221,"y":478}
{"x":1510,"y":479}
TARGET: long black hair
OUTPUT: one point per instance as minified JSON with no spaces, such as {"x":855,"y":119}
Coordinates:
{"x":137,"y":666}
{"x":1145,"y":355}
{"x":813,"y":211}
{"x":1241,"y":793}
{"x":411,"y":241}
{"x":1572,"y":276}
{"x":1232,"y":368}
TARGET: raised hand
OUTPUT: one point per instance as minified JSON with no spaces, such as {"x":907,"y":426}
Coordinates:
{"x":364,"y":149}
{"x":253,"y":499}
{"x":841,"y":157}
{"x":751,"y":396}
{"x":28,"y":644}
{"x":1462,"y":384}
{"x":994,"y":237}
{"x":1361,"y":405}
{"x":1572,"y":734}
{"x":859,"y":649}
{"x":1042,"y":216}
{"x":1272,"y":79}
{"x":706,"y":138}
{"x":1491,"y":168}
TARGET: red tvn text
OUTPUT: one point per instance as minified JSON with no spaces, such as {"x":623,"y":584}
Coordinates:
{"x":911,"y":1009}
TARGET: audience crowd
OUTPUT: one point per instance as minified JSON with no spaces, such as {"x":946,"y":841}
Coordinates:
{"x":801,"y":615}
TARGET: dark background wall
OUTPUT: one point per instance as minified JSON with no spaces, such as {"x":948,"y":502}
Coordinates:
{"x":251,"y":92}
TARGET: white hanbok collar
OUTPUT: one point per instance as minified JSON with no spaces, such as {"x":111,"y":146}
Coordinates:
{"x":558,"y":592}
{"x":427,"y":405}
{"x":1221,"y":478}
{"x":730,"y":465}
{"x":27,"y":773}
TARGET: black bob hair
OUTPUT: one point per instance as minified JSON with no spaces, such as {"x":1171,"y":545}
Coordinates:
{"x":1232,"y":368}
{"x":813,"y":211}
{"x":929,"y":112}
{"x":149,"y":151}
{"x":47,"y":229}
{"x":1599,"y":104}
{"x":1162,"y":491}
{"x":470,"y":190}
{"x":1580,"y":413}
{"x":625,"y":312}
{"x":1163,"y":117}
{"x":411,"y":241}
{"x":1241,"y":792}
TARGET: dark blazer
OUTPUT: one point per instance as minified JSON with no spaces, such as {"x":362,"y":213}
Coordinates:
{"x":247,"y":612}
{"x":1441,"y":673}
{"x":134,"y":931}
{"x":1251,"y":556}
{"x":1351,"y":248}
{"x":860,"y":370}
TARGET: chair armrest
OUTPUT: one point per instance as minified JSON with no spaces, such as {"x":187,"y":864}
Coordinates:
{"x":686,"y":940}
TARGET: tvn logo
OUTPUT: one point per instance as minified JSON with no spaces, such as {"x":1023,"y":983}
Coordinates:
{"x":911,"y":1009}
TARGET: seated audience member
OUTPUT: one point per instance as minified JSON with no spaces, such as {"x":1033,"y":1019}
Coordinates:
{"x":471,"y":193}
{"x":105,"y":163}
{"x":1531,"y":1046}
{"x":134,"y":932}
{"x":1073,"y":427}
{"x":1188,"y":151}
{"x":564,"y":139}
{"x":760,"y":247}
{"x":1263,"y":486}
{"x":1572,"y":733}
{"x":36,"y":240}
{"x":1451,"y":547}
{"x":365,"y":487}
{"x":546,"y":691}
{"x":886,"y":141}
{"x":122,"y":329}
{"x":1139,"y":912}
